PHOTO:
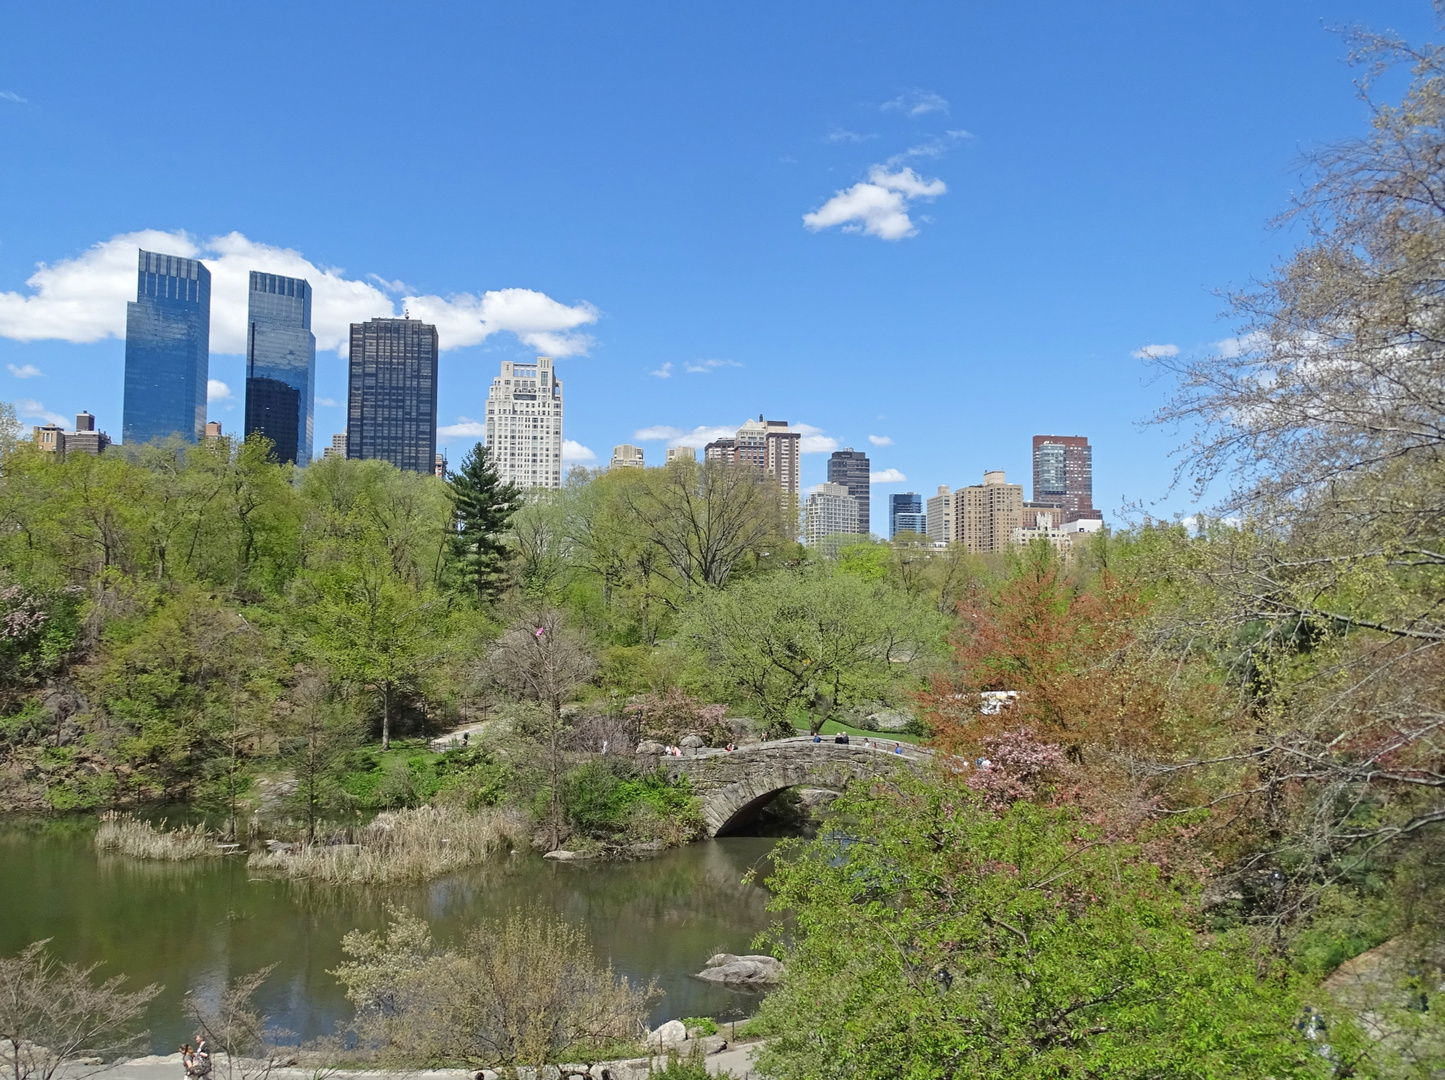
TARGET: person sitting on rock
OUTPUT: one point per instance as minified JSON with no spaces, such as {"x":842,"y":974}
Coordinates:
{"x":817,"y":737}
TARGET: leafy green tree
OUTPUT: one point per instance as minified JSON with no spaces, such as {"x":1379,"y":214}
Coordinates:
{"x":367,"y":622}
{"x":484,"y":504}
{"x":316,"y":734}
{"x":947,"y":940}
{"x":810,"y":639}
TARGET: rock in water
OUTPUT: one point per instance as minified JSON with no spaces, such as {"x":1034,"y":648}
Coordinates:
{"x":742,"y":970}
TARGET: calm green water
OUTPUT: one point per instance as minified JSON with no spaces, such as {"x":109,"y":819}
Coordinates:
{"x":192,"y":925}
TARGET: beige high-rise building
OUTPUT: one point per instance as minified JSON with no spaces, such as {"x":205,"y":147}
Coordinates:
{"x":337,"y":447}
{"x":985,"y":515}
{"x":940,"y":516}
{"x":524,"y":424}
{"x":680,"y":453}
{"x":770,"y":445}
{"x":627,"y":456}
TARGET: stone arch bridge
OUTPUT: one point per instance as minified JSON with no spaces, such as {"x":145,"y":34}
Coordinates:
{"x":733,"y":785}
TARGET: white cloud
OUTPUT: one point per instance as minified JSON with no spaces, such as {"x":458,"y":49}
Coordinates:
{"x":25,"y":371}
{"x":576,"y":452}
{"x":464,"y":428}
{"x":1155,"y":352}
{"x":30,"y":409}
{"x":843,"y":135}
{"x":11,"y":95}
{"x":547,"y":325}
{"x":916,"y":102}
{"x":704,"y":367}
{"x":82,"y":299}
{"x":697,"y":438}
{"x":664,"y":372}
{"x":1234,"y":347}
{"x":330,"y":403}
{"x":216,"y":390}
{"x":880,"y":440}
{"x":878,"y":207}
{"x":887,"y":476}
{"x":933,"y":148}
{"x":814,"y":441}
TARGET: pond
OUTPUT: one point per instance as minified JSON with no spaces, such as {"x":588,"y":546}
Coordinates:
{"x":191,"y":926}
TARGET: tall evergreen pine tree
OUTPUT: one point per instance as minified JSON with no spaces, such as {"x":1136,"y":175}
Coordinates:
{"x":484,"y":505}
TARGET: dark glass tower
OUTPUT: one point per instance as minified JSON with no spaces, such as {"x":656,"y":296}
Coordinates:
{"x":1064,"y":475}
{"x":391,"y":409}
{"x":905,"y":513}
{"x":167,"y":350}
{"x":280,"y":352}
{"x":849,"y":467}
{"x":273,"y":408}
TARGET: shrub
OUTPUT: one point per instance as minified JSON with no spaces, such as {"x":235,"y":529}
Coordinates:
{"x":671,"y":715}
{"x":52,"y":1013}
{"x":524,"y":991}
{"x":608,"y":797}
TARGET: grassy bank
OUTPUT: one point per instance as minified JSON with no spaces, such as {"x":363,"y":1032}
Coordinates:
{"x":405,"y":845}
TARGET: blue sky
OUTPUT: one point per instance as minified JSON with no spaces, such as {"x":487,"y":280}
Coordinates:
{"x":949,"y":226}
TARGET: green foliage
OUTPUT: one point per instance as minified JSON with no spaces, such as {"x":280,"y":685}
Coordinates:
{"x":410,"y":775}
{"x":605,"y":796}
{"x":705,"y":1025}
{"x":937,"y":937}
{"x":810,"y":639}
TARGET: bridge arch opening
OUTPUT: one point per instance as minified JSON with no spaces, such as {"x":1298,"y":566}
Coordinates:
{"x":795,"y":820}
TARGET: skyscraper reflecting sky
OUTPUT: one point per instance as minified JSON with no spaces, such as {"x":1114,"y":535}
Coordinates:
{"x":391,"y":408}
{"x":167,"y":350}
{"x":281,"y":365}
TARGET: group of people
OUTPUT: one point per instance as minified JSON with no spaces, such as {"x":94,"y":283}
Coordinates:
{"x":197,"y":1061}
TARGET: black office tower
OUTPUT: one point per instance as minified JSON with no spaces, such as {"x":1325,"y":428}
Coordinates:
{"x":849,"y":467}
{"x":392,"y":396}
{"x":273,"y":409}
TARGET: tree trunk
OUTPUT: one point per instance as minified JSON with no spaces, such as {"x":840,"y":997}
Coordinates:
{"x":556,"y":837}
{"x":386,"y":717}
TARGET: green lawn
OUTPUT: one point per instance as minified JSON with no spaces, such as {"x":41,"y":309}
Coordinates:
{"x":832,"y":727}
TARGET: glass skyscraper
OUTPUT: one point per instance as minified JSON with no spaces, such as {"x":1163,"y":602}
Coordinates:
{"x":167,"y":350}
{"x":391,"y":408}
{"x":281,"y":365}
{"x":905,"y":514}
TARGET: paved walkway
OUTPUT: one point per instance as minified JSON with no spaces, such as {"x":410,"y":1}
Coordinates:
{"x":738,"y":1061}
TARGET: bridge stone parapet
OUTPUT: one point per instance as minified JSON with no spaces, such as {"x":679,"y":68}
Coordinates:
{"x":733,"y":785}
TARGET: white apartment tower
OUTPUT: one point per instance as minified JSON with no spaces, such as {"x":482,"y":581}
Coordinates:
{"x":524,"y":424}
{"x":830,"y":511}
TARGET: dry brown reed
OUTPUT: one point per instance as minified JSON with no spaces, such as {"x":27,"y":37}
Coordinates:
{"x":140,"y":839}
{"x":403,"y":845}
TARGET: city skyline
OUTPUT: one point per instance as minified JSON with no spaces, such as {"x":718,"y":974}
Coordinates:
{"x":682,"y":250}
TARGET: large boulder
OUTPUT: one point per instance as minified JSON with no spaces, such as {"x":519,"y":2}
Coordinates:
{"x":734,"y":970}
{"x":670,"y":1034}
{"x":692,"y":742}
{"x":649,"y":746}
